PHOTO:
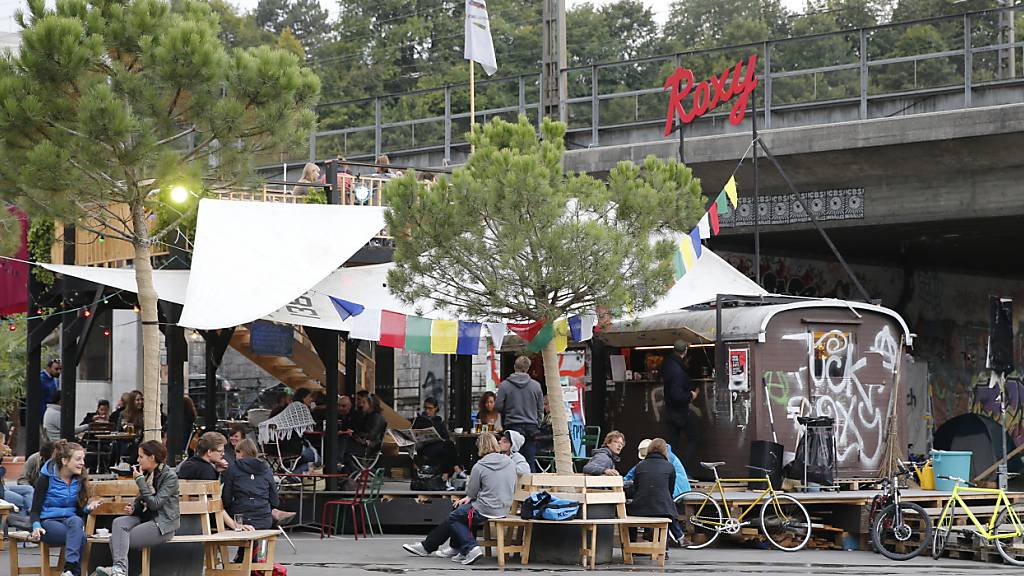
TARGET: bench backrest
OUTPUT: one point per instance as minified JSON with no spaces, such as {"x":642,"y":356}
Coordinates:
{"x":197,"y":498}
{"x":586,"y":490}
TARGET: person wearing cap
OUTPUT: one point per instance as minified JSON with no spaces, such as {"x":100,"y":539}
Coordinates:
{"x":510,"y":443}
{"x":679,"y":392}
{"x":682,"y":482}
{"x":602,"y":462}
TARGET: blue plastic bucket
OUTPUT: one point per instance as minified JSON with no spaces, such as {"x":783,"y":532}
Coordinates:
{"x":950,"y":463}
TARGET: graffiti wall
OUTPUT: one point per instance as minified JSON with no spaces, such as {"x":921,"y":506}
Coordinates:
{"x":830,"y":365}
{"x":947,"y":312}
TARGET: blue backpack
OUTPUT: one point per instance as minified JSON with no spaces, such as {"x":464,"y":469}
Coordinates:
{"x":543,"y":506}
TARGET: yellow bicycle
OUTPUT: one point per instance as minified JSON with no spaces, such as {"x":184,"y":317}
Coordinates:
{"x":1004,"y":528}
{"x":784,"y":520}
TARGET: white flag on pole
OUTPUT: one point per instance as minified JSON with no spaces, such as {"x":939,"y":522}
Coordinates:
{"x":479,"y":47}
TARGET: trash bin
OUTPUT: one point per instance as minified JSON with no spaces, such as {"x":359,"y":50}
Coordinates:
{"x":950,"y":463}
{"x":768,"y":455}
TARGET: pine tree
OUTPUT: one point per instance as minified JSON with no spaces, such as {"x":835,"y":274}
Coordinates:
{"x":112,"y":103}
{"x":510,"y":236}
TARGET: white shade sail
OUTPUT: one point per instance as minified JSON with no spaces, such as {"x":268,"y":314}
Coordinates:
{"x":254,"y":258}
{"x":710,"y":277}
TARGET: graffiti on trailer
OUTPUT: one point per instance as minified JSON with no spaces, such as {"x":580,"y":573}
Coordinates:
{"x":837,"y":390}
{"x":988,"y":403}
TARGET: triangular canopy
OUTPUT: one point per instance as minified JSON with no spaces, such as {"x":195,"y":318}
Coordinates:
{"x":253,"y":258}
{"x":710,"y":276}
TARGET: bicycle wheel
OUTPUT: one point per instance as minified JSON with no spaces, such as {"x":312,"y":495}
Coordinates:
{"x":1011,"y":548}
{"x":702,"y":526}
{"x":786,"y":523}
{"x":904,"y":539}
{"x":942,"y":530}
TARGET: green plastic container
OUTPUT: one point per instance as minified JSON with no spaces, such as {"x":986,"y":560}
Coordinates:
{"x":950,"y":463}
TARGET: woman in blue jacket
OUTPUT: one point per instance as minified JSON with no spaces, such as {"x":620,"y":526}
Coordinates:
{"x":61,"y":501}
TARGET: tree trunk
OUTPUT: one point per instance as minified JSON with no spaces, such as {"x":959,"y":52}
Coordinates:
{"x":556,"y":406}
{"x":150,"y":329}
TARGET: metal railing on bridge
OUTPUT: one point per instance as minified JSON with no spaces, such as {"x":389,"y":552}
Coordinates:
{"x":893,"y":69}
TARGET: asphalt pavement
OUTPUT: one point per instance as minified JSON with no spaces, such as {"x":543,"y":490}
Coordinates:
{"x":382,"y":555}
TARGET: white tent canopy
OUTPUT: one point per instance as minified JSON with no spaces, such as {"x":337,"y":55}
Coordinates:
{"x":367,"y":285}
{"x":254,"y":258}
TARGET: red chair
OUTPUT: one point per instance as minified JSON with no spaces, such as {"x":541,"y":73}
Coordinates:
{"x":355,"y":505}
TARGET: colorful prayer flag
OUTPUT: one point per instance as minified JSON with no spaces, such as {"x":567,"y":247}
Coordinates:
{"x":366,"y":326}
{"x":695,"y":239}
{"x":730,"y":189}
{"x":561,"y":335}
{"x":417,"y":334}
{"x":542,"y":337}
{"x":469,"y":338}
{"x":678,"y":268}
{"x":392,"y":329}
{"x":704,"y":226}
{"x":581,"y":326}
{"x":722,"y":203}
{"x":345,"y":308}
{"x":527,"y":330}
{"x":498,"y":331}
{"x":444,"y":336}
{"x":713,"y":218}
{"x":686,"y":249}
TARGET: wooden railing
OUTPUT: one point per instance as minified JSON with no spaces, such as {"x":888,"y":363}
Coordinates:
{"x":93,"y":249}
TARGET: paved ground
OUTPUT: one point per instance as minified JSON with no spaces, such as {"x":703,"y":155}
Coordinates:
{"x":383,"y":555}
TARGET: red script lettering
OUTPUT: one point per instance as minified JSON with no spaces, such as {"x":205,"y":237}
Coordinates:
{"x":706,"y":95}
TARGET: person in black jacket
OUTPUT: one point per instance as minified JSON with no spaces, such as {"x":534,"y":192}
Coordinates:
{"x":652,"y":487}
{"x":440,"y":453}
{"x":679,"y":392}
{"x":370,"y":434}
{"x":208,"y":461}
{"x":249,"y":488}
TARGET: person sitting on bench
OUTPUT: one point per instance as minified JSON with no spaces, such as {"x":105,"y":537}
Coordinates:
{"x":489,"y":495}
{"x":652,"y":488}
{"x":60,"y":502}
{"x":154,"y":516}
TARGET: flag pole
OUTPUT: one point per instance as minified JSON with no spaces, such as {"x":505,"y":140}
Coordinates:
{"x":472,"y":99}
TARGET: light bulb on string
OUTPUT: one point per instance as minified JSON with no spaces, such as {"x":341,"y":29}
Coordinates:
{"x":106,"y":331}
{"x":12,"y":326}
{"x":136,"y":309}
{"x":86,"y":313}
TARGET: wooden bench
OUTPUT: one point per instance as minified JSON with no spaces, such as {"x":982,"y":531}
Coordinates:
{"x":5,"y":509}
{"x":197,"y":498}
{"x":588,"y":491}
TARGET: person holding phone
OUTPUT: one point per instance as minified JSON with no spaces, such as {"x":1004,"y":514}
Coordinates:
{"x":60,"y":503}
{"x":154,"y":516}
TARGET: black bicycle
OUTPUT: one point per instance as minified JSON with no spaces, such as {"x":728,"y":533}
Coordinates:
{"x":899,"y":530}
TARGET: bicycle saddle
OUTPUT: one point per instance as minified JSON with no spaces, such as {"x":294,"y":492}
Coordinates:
{"x":712,"y":465}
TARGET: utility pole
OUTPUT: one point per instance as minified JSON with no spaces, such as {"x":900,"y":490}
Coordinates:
{"x":554,"y":91}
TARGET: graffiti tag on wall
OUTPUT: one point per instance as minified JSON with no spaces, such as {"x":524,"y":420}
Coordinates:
{"x":833,"y":375}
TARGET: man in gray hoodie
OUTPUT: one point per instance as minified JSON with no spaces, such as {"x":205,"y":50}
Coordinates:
{"x":489,"y":492}
{"x":510,"y":443}
{"x":521,"y":404}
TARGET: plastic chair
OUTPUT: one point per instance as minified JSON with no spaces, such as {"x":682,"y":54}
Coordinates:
{"x":371,"y":501}
{"x":591,"y":442}
{"x":355,"y":505}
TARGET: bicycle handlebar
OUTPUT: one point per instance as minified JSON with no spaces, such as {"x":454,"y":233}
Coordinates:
{"x":956,"y":479}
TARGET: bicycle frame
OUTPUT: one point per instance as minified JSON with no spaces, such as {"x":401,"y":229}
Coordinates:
{"x":769,"y":492}
{"x":985,"y":531}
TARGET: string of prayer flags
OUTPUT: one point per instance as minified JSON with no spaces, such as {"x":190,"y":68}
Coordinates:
{"x":561,"y":335}
{"x":469,"y":338}
{"x":392,"y":329}
{"x":417,"y":333}
{"x":722,"y":204}
{"x":713,"y":218}
{"x":526,"y":330}
{"x":695,"y":239}
{"x":704,"y":226}
{"x":366,"y":326}
{"x":444,"y":336}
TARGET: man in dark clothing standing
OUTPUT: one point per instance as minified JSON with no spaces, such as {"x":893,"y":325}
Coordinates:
{"x":208,"y":461}
{"x":521,"y":404}
{"x":679,"y":392}
{"x":49,"y":380}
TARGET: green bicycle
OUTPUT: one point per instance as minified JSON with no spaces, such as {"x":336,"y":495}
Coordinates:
{"x":1004,"y":528}
{"x":784,"y":521}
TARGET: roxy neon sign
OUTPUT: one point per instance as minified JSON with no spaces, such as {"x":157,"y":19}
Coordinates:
{"x":708,"y":94}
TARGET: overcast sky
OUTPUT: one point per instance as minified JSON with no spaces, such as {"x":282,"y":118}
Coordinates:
{"x":7,"y":8}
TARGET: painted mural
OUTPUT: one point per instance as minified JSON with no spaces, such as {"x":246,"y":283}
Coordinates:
{"x":947,"y":312}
